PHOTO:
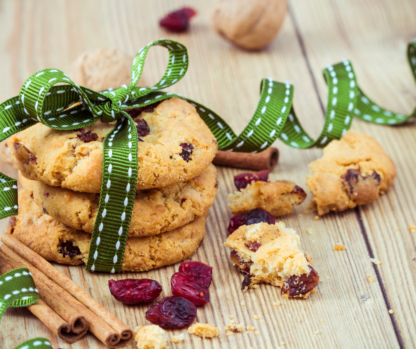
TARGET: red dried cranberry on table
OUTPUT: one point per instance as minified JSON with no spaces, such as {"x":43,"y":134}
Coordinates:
{"x":257,"y":215}
{"x":187,"y":286}
{"x":135,"y":291}
{"x":242,"y":180}
{"x":187,"y":149}
{"x":192,"y":282}
{"x":172,"y":313}
{"x":178,"y":21}
{"x":200,"y":271}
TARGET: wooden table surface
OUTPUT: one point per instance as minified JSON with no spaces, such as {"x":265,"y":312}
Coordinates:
{"x":347,"y":311}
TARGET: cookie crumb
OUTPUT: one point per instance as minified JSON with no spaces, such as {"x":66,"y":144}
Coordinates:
{"x":339,"y":247}
{"x":233,"y":327}
{"x":243,"y":304}
{"x":397,"y":229}
{"x":315,"y":218}
{"x":231,"y":317}
{"x":370,"y":278}
{"x":412,"y":228}
{"x":250,"y":328}
{"x":282,"y":344}
{"x":150,"y":337}
{"x":204,"y":330}
{"x":322,"y":320}
{"x":309,"y":231}
{"x":178,"y":339}
{"x":276,"y":304}
{"x":375,"y":261}
{"x":256,"y":317}
{"x":391,"y":311}
{"x":316,"y":332}
{"x":257,"y":333}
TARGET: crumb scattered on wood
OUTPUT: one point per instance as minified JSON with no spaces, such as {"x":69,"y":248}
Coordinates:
{"x":234,"y":328}
{"x":370,"y":278}
{"x":276,"y":304}
{"x":316,"y":218}
{"x":375,"y":261}
{"x":256,"y":317}
{"x":282,"y":344}
{"x":257,"y":333}
{"x":309,"y":231}
{"x":316,"y":332}
{"x":339,"y":247}
{"x":250,"y":328}
{"x":412,"y":228}
{"x":243,"y":304}
{"x":391,"y":311}
{"x":204,"y":330}
{"x":178,"y":339}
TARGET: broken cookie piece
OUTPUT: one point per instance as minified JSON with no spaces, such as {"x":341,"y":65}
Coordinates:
{"x":278,"y":198}
{"x":353,"y":171}
{"x":277,"y":258}
{"x":204,"y":330}
{"x":150,"y":337}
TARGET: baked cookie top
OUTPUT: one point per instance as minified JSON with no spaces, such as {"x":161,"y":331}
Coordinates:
{"x":278,"y":198}
{"x":155,"y":210}
{"x":353,"y":171}
{"x":56,"y":242}
{"x":272,"y":253}
{"x":175,"y":145}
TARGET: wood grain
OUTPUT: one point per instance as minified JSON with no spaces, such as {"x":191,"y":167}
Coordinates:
{"x":347,"y":311}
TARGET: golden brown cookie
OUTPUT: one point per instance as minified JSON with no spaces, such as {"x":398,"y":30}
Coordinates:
{"x":155,"y":211}
{"x":58,"y":243}
{"x":278,"y":198}
{"x":178,"y":147}
{"x":102,"y":69}
{"x":6,"y":155}
{"x":272,"y":253}
{"x":353,"y":171}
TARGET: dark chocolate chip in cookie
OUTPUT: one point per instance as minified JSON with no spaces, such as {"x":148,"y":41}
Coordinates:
{"x":67,"y":248}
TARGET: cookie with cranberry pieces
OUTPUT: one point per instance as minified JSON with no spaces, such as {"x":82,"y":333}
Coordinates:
{"x":175,"y":145}
{"x":155,"y":211}
{"x":278,"y":198}
{"x":353,"y":171}
{"x":56,"y":242}
{"x":272,"y":253}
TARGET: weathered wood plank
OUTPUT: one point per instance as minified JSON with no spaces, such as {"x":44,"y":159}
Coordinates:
{"x":225,"y":78}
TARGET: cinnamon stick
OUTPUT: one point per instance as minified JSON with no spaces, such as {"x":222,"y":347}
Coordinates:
{"x":265,"y":160}
{"x":124,"y":334}
{"x":50,"y":318}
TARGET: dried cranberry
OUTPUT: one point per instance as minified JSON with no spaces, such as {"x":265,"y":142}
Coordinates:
{"x":246,"y":282}
{"x":44,"y":210}
{"x":143,"y":128}
{"x":67,"y":248}
{"x":172,"y":313}
{"x":200,"y":271}
{"x":31,"y":159}
{"x":254,"y":216}
{"x":183,"y":200}
{"x":253,"y":246}
{"x":242,"y":180}
{"x":187,"y":150}
{"x":186,"y":286}
{"x":178,"y":21}
{"x":135,"y":291}
{"x":300,"y":285}
{"x":45,"y":195}
{"x":87,"y":136}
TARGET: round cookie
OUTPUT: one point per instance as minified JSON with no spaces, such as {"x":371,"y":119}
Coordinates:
{"x":353,"y":171}
{"x":6,"y":155}
{"x":155,"y":210}
{"x":58,"y":243}
{"x":177,"y":146}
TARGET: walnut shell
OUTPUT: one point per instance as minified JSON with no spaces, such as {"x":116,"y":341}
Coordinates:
{"x":247,"y":23}
{"x":102,"y":69}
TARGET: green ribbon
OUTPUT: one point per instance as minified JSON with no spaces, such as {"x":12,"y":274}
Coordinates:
{"x":36,"y":343}
{"x":50,"y":97}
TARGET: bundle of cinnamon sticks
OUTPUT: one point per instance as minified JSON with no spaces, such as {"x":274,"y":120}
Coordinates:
{"x":65,"y":308}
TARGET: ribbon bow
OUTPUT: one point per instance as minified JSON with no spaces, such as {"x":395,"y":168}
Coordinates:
{"x":52,"y":98}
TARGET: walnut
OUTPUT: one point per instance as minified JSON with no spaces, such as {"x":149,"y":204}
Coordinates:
{"x":247,"y":23}
{"x":103,"y":69}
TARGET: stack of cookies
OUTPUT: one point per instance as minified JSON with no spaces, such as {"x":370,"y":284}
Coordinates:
{"x":60,"y":175}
